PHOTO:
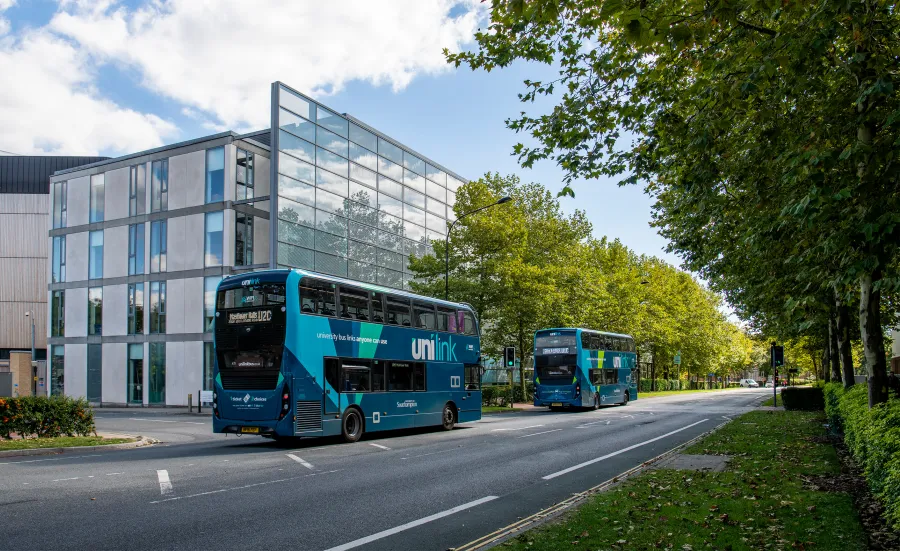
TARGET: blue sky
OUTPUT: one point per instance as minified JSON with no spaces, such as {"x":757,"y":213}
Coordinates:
{"x":115,"y":77}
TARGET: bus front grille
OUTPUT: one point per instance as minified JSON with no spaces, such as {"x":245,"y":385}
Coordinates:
{"x":253,"y":380}
{"x":309,"y":416}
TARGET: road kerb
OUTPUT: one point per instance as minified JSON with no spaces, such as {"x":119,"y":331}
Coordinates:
{"x":139,"y":443}
{"x":499,"y":536}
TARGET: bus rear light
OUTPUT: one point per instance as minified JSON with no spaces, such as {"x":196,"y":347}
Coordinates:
{"x":285,"y":404}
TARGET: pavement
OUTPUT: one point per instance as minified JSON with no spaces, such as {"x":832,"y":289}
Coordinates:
{"x":410,"y":490}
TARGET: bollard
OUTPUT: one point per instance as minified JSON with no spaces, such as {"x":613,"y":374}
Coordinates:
{"x":190,"y":405}
{"x":199,"y":403}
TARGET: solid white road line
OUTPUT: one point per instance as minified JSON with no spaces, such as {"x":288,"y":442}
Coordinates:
{"x":537,"y":433}
{"x":50,"y":459}
{"x":623,"y":450}
{"x":408,"y":525}
{"x":165,"y":485}
{"x":379,"y":446}
{"x":301,"y":461}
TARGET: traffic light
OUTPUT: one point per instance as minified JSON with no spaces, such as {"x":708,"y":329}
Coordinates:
{"x":509,"y":356}
{"x":777,"y":356}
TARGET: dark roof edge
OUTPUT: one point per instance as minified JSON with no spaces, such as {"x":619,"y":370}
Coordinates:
{"x":225,"y":134}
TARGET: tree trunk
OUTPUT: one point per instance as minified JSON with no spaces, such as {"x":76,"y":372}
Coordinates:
{"x":843,"y":342}
{"x":872,"y":337}
{"x":833,"y":350}
{"x":826,"y":373}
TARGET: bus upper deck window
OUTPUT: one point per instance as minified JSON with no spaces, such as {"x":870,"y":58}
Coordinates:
{"x":468,"y":326}
{"x":354,"y":303}
{"x":317,"y":297}
{"x":398,"y":310}
{"x":378,"y":307}
{"x":423,"y":314}
{"x":445,"y":319}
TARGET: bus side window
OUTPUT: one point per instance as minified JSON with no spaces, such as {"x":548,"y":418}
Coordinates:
{"x":445,"y":319}
{"x":357,"y":375}
{"x":457,"y":324}
{"x":378,"y":376}
{"x":399,"y":376}
{"x":354,"y":303}
{"x":586,"y":340}
{"x":595,"y":342}
{"x":473,"y":376}
{"x":397,"y":310}
{"x":378,"y":307}
{"x":605,"y":343}
{"x":611,"y":376}
{"x":423,"y":314}
{"x":419,"y":376}
{"x":332,"y":373}
{"x":317,"y":297}
{"x":469,"y":324}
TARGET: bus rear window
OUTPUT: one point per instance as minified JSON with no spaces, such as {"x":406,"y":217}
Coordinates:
{"x":264,"y":294}
{"x":556,"y":372}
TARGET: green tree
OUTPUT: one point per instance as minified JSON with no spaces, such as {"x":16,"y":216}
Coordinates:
{"x":767,"y":130}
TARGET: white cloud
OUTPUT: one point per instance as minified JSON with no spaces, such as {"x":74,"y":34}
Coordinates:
{"x":50,"y":105}
{"x":219,"y":58}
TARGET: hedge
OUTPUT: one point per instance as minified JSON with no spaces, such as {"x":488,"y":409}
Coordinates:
{"x":677,"y":384}
{"x":873,"y":437}
{"x":39,"y":416}
{"x":803,"y":398}
{"x":499,"y":395}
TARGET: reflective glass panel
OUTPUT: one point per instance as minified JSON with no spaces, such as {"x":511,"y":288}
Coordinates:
{"x":390,"y":205}
{"x":296,"y":125}
{"x":362,"y":232}
{"x":289,"y":255}
{"x":332,"y":162}
{"x":295,"y":234}
{"x":330,"y":202}
{"x":436,"y":192}
{"x":363,"y":214}
{"x":362,"y":252}
{"x":330,"y":264}
{"x":331,"y":141}
{"x":389,"y":169}
{"x":392,"y":188}
{"x":414,"y":215}
{"x":301,"y":149}
{"x":389,"y":150}
{"x":215,"y":226}
{"x":414,"y":181}
{"x":332,"y":244}
{"x":437,"y":207}
{"x":332,"y":121}
{"x":297,"y":104}
{"x":362,"y":194}
{"x":435,"y":174}
{"x":297,"y":191}
{"x":453,"y":184}
{"x":296,"y":212}
{"x":363,"y":137}
{"x":215,"y":174}
{"x":331,"y":182}
{"x":296,"y":169}
{"x":436,"y":223}
{"x":363,"y":156}
{"x":331,"y":223}
{"x":363,"y":175}
{"x":413,"y":163}
{"x":414,"y":198}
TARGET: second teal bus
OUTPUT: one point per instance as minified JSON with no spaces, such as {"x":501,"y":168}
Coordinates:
{"x":582,"y":368}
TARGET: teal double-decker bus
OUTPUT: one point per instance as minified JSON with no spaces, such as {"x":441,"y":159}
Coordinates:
{"x":581,"y":368}
{"x":301,"y":354}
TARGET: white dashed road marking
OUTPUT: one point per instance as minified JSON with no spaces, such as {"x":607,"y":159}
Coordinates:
{"x":520,"y":428}
{"x":379,"y":446}
{"x":301,"y":461}
{"x":165,"y":485}
{"x":537,"y":433}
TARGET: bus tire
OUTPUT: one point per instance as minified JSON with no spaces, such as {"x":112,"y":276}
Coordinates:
{"x":625,"y":400}
{"x":448,"y":417}
{"x":352,"y":425}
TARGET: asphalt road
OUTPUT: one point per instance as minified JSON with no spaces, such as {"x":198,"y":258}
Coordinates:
{"x":412,"y":490}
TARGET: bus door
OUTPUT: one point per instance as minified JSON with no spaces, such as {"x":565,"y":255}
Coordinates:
{"x":330,"y":386}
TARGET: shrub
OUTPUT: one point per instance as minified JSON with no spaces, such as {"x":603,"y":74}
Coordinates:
{"x":873,"y":437}
{"x":833,"y":394}
{"x":39,"y":416}
{"x":803,"y":398}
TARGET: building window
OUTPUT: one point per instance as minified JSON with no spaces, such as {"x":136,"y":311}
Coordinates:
{"x":58,"y":314}
{"x":157,"y":307}
{"x":209,"y":301}
{"x":209,"y":362}
{"x":59,"y":204}
{"x":157,"y":394}
{"x":95,"y":311}
{"x":135,"y":373}
{"x":215,"y":175}
{"x":158,"y":246}
{"x":137,"y":190}
{"x":135,"y":308}
{"x":244,"y":175}
{"x":57,"y":370}
{"x":135,"y":249}
{"x":94,"y":373}
{"x":159,"y":185}
{"x":98,"y":183}
{"x":59,"y":259}
{"x":215,"y":222}
{"x":243,"y":239}
{"x":95,"y":256}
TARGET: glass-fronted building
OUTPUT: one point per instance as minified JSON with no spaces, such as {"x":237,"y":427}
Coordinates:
{"x":137,"y":244}
{"x":351,"y":201}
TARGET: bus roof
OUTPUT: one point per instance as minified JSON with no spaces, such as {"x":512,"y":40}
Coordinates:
{"x":620,"y":335}
{"x":362,"y":284}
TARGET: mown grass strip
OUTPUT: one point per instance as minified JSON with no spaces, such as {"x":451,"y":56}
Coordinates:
{"x":759,"y":502}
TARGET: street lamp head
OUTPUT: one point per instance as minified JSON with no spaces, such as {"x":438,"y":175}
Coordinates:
{"x":502,"y":200}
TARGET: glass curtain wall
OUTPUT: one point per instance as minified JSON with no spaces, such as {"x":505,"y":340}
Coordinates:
{"x":135,"y":373}
{"x":350,"y":202}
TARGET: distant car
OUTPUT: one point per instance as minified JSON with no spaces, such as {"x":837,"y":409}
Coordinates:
{"x":769,"y":384}
{"x":749,"y":383}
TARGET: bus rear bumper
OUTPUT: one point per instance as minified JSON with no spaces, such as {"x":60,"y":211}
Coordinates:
{"x":263,"y":427}
{"x":558,"y":403}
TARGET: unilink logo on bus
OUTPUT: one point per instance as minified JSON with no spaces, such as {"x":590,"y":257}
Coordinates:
{"x":434,"y":348}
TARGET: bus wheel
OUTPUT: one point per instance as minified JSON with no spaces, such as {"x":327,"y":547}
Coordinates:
{"x":448,"y":417}
{"x":352,"y":425}
{"x":625,"y":401}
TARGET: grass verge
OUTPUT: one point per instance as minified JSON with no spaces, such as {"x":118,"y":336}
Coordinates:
{"x":61,"y":442}
{"x":760,"y":502}
{"x":498,"y":409}
{"x":660,"y":393}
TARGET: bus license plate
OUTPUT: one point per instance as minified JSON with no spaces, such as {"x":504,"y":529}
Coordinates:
{"x":250,"y":430}
{"x":556,"y":404}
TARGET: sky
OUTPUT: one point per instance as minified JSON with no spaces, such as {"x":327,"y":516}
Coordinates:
{"x":107,"y":77}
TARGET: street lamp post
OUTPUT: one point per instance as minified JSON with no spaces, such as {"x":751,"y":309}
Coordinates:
{"x":447,"y":242}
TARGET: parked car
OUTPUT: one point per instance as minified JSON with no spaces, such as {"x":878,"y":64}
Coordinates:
{"x":769,"y":384}
{"x":749,"y":383}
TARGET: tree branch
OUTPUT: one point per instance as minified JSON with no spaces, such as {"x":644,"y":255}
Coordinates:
{"x":757,"y":28}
